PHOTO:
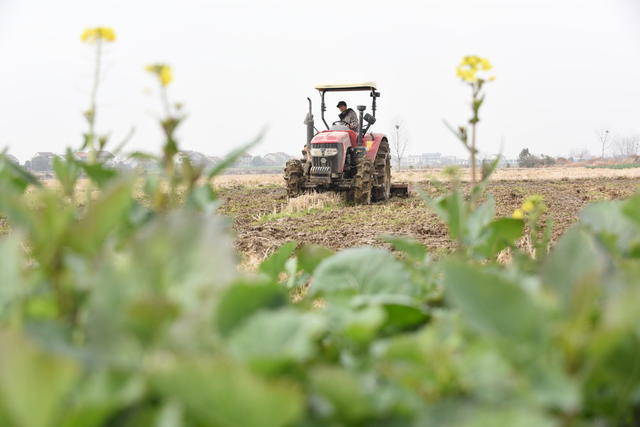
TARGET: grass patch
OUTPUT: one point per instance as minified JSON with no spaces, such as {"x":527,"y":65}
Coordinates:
{"x":618,"y":166}
{"x":303,"y":205}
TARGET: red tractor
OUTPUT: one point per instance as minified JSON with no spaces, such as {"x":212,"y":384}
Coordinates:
{"x":339,"y":159}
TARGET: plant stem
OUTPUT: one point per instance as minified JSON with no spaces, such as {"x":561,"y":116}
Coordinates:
{"x":473,"y":153}
{"x":94,"y":96}
{"x":165,"y":101}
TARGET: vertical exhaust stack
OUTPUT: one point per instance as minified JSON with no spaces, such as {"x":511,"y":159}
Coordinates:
{"x":308,"y":121}
{"x":361,"y":109}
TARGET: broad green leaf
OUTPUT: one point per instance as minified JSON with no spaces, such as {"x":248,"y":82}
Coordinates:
{"x":270,"y":340}
{"x":479,"y":219}
{"x":67,"y":173}
{"x":15,"y":175}
{"x":613,"y":373}
{"x":345,"y":394}
{"x":275,"y":263}
{"x":203,"y":198}
{"x":498,"y":235}
{"x":357,"y":325}
{"x":11,"y":282}
{"x":224,"y":394}
{"x":492,"y":304}
{"x":401,"y":312}
{"x":453,"y":211}
{"x":310,"y":256}
{"x":574,"y":265}
{"x":411,"y":247}
{"x":241,"y":300}
{"x":34,"y":384}
{"x":103,"y":217}
{"x":612,"y":222}
{"x":362,"y":271}
{"x":98,"y":173}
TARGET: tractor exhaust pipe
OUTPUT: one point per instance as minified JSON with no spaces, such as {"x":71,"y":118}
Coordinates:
{"x":361,"y":109}
{"x":308,"y":121}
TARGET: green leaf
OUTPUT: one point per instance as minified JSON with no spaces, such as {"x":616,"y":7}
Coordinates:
{"x":225,"y":394}
{"x":271,"y":340}
{"x":203,"y":198}
{"x":362,"y":271}
{"x":345,"y":394}
{"x":574,"y":266}
{"x":613,"y":377}
{"x":310,"y":256}
{"x":98,"y":173}
{"x":401,"y":312}
{"x":12,"y":285}
{"x":274,"y":264}
{"x":15,"y":175}
{"x":498,"y":235}
{"x":612,"y":221}
{"x":411,"y":247}
{"x":103,"y":217}
{"x":453,"y":212}
{"x":479,"y":219}
{"x":25,"y":369}
{"x":357,"y":325}
{"x":241,"y":300}
{"x":67,"y":173}
{"x":494,"y":305}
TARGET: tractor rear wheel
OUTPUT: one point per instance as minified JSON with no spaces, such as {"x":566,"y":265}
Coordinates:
{"x":382,"y":191}
{"x":293,"y":177}
{"x":363,"y":182}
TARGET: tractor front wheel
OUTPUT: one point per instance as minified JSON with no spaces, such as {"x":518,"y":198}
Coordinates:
{"x":363,"y":182}
{"x":293,"y":177}
{"x":382,"y":191}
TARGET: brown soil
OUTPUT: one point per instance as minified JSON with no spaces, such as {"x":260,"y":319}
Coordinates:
{"x":260,"y":229}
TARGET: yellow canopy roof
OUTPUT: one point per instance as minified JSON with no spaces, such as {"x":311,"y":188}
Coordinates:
{"x":347,"y":87}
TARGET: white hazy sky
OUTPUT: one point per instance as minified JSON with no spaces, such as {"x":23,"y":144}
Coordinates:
{"x":564,"y":68}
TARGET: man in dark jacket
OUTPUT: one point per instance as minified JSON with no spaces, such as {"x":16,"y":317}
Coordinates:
{"x":348,"y":116}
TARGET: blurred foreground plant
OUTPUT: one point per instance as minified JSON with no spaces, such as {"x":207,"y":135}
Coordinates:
{"x":472,"y":71}
{"x":129,"y":311}
{"x":97,"y":36}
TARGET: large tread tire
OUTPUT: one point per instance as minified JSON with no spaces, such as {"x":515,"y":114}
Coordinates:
{"x":382,"y":191}
{"x":363,"y":182}
{"x":294,"y":177}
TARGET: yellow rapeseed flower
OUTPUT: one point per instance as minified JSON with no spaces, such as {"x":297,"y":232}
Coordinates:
{"x":163,"y":71}
{"x":92,"y":35}
{"x":518,"y":214}
{"x":528,"y":206}
{"x":108,"y":34}
{"x":165,"y":75}
{"x":485,"y":64}
{"x":470,"y":66}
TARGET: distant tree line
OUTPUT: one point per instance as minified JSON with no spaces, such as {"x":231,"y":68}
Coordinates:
{"x":527,"y":159}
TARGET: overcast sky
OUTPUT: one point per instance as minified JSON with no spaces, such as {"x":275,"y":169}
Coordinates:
{"x":564,"y":68}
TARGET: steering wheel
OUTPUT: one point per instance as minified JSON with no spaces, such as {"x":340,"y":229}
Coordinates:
{"x":340,"y":121}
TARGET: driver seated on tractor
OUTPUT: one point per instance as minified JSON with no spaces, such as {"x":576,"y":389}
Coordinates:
{"x":348,"y":116}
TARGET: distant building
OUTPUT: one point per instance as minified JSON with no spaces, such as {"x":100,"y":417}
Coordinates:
{"x":244,"y":161}
{"x":197,"y":159}
{"x":41,"y":162}
{"x":276,"y":159}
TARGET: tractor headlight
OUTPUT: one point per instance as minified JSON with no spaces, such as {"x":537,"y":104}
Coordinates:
{"x":330,"y":151}
{"x":316,"y":152}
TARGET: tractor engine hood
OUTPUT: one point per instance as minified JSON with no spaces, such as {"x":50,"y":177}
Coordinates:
{"x":328,"y":151}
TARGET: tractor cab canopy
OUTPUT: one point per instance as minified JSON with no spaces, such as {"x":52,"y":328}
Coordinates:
{"x":348,"y":87}
{"x":368,"y":86}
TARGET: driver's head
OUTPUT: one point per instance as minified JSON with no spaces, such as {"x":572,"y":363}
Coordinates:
{"x":342,"y":106}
